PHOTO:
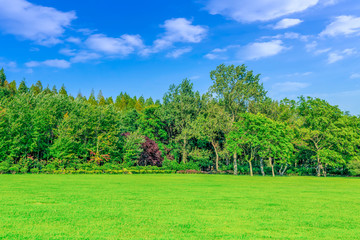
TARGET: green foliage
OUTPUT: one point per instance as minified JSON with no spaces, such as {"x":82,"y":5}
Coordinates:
{"x":2,"y":77}
{"x":234,"y":126}
{"x":354,"y":167}
{"x":132,"y":148}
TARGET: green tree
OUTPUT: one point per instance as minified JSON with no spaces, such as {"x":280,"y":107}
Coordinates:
{"x":180,"y":108}
{"x":321,"y":131}
{"x":132,"y":148}
{"x":236,"y":89}
{"x":2,"y":77}
{"x":22,"y":87}
{"x":245,"y":138}
{"x":212,"y":124}
{"x":63,"y":91}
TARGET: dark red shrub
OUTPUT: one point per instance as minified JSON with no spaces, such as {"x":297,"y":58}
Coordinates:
{"x":151,"y":154}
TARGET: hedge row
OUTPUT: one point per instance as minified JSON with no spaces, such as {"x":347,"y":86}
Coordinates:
{"x":108,"y":171}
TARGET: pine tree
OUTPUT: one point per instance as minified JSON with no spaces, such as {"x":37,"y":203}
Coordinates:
{"x":149,"y":102}
{"x":12,"y":86}
{"x":101,"y":99}
{"x":92,"y":99}
{"x":54,"y":90}
{"x":63,"y":91}
{"x":22,"y":87}
{"x":109,"y":101}
{"x":2,"y":77}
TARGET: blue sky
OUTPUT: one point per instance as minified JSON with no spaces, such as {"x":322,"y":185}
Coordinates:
{"x":300,"y":47}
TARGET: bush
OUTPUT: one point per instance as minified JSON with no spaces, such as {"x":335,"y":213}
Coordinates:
{"x":354,"y":167}
{"x":49,"y":168}
{"x":34,"y":170}
{"x":4,"y":169}
{"x":14,"y":169}
{"x":24,"y":170}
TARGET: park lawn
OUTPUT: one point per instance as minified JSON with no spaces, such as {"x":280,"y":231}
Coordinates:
{"x":178,"y":207}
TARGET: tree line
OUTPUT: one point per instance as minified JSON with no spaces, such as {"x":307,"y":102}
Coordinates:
{"x":233,"y":128}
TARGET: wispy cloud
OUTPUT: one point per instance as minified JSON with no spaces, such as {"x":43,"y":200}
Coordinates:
{"x":252,"y":51}
{"x":178,"y":52}
{"x":288,"y":35}
{"x":287,"y":23}
{"x":343,"y":25}
{"x":177,"y":30}
{"x":297,"y":74}
{"x":340,"y":55}
{"x":84,"y":56}
{"x":43,"y":25}
{"x":289,"y":86}
{"x":8,"y":65}
{"x":257,"y":50}
{"x":257,"y":10}
{"x":122,"y":46}
{"x":56,"y":63}
{"x":355,"y":76}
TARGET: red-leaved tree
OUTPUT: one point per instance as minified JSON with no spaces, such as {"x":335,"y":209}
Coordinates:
{"x":151,"y":154}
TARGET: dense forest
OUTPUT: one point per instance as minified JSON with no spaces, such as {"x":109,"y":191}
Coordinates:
{"x":234,"y":128}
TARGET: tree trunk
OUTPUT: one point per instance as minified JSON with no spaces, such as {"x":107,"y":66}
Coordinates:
{"x":251,"y":170}
{"x":319,"y":167}
{"x":283,"y":170}
{"x":184,"y":155}
{"x":217,"y":157}
{"x":272,"y":166}
{"x":324,"y":170}
{"x":235,"y":164}
{"x":262,"y":166}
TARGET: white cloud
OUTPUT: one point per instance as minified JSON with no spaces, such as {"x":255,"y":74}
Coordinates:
{"x":337,"y":56}
{"x":177,"y":30}
{"x":311,"y":46}
{"x":57,"y":63}
{"x":288,"y":35}
{"x":334,"y":57}
{"x":195,"y":77}
{"x":122,"y":46}
{"x":304,"y":74}
{"x":178,"y":52}
{"x":8,"y":65}
{"x":252,"y":51}
{"x":355,"y":76}
{"x":221,"y":53}
{"x":258,"y":50}
{"x":79,"y":56}
{"x":287,"y":22}
{"x":73,"y":40}
{"x":84,"y":56}
{"x":67,"y":51}
{"x":257,"y":10}
{"x":265,"y":79}
{"x":343,"y":25}
{"x":289,"y":86}
{"x":321,"y":51}
{"x":44,"y":25}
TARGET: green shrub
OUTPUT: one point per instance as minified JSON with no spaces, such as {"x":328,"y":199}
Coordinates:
{"x":14,"y":169}
{"x":24,"y":170}
{"x":49,"y":168}
{"x":4,"y":169}
{"x":354,"y":167}
{"x":34,"y":170}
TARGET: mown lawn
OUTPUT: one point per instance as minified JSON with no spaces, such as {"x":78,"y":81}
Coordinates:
{"x":178,"y":207}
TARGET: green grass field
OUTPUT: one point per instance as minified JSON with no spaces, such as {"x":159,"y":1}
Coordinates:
{"x":178,"y":207}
